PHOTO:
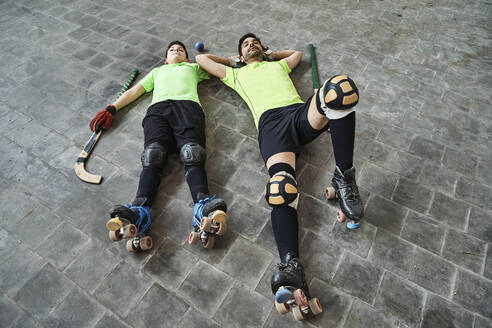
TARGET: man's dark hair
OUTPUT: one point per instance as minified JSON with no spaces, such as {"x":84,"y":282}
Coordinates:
{"x":177,"y":42}
{"x":244,"y":37}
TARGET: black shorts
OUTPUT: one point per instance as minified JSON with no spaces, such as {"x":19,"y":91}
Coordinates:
{"x":174,"y":123}
{"x":285,"y":129}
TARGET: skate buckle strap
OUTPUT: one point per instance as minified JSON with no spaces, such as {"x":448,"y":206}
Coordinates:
{"x":198,"y":208}
{"x":143,"y":211}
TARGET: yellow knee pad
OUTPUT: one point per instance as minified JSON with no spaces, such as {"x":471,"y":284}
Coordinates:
{"x":281,"y":190}
{"x":339,"y":93}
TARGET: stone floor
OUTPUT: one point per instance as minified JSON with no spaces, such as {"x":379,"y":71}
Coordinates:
{"x":423,"y":257}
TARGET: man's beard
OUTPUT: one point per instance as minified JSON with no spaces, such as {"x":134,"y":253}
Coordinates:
{"x":255,"y":54}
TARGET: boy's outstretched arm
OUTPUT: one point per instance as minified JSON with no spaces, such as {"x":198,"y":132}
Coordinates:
{"x":215,"y":65}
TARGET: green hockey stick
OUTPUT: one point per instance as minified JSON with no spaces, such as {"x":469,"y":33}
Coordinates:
{"x":86,"y":151}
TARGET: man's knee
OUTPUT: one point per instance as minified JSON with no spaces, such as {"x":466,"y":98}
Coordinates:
{"x":281,"y":190}
{"x":337,"y":97}
{"x":192,"y":154}
{"x":154,"y":155}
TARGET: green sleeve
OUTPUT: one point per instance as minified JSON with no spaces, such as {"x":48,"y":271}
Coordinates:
{"x":229,"y":78}
{"x":285,"y":66}
{"x":148,"y":81}
{"x":201,"y":74}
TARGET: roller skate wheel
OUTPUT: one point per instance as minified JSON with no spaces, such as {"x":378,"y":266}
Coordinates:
{"x":219,"y":216}
{"x":282,"y":308}
{"x":283,"y":295}
{"x":130,"y":247}
{"x":341,"y":217}
{"x":210,"y":242}
{"x":193,"y":238}
{"x":115,"y":235}
{"x":299,"y":297}
{"x":297,"y":313}
{"x":206,"y":224}
{"x":114,"y":224}
{"x":145,"y":243}
{"x":221,"y":229}
{"x":330,"y":193}
{"x":315,"y":306}
{"x":351,"y":224}
{"x":129,"y":231}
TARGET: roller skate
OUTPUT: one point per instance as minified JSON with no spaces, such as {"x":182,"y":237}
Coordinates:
{"x":345,"y":189}
{"x":291,"y":291}
{"x":209,"y":220}
{"x":131,"y":221}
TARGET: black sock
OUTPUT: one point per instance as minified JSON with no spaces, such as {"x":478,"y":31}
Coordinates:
{"x":196,"y":177}
{"x":148,"y":185}
{"x":284,"y":221}
{"x":342,"y":133}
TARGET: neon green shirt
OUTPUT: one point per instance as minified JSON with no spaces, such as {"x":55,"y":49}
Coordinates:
{"x":174,"y":81}
{"x":263,"y":86}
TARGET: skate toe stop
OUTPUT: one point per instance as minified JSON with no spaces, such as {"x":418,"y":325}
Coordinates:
{"x":283,"y":295}
{"x":353,"y":224}
{"x":114,"y":224}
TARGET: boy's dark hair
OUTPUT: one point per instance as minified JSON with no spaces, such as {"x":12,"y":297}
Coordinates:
{"x":177,"y":42}
{"x":244,"y":37}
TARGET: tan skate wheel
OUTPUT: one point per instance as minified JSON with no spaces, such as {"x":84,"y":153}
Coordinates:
{"x":114,"y":224}
{"x":115,"y":235}
{"x":210,"y":242}
{"x":129,"y":231}
{"x":315,"y":306}
{"x":206,"y":224}
{"x":193,"y":238}
{"x":222,"y":228}
{"x":145,"y":243}
{"x":130,"y":247}
{"x":219,"y":216}
{"x":299,"y":297}
{"x":282,"y":308}
{"x":330,"y":193}
{"x":341,"y":217}
{"x":297,"y":313}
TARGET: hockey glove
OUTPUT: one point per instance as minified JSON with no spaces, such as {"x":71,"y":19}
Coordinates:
{"x":103,"y":119}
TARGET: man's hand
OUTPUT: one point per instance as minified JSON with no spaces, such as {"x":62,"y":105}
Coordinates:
{"x":103,"y":119}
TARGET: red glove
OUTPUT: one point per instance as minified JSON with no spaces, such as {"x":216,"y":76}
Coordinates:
{"x":103,"y":119}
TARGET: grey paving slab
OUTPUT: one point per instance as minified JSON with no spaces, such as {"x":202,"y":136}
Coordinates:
{"x":400,"y":298}
{"x":473,"y":293}
{"x":423,"y":154}
{"x":464,"y":250}
{"x":43,"y":292}
{"x":158,"y":306}
{"x":392,"y":253}
{"x":358,"y":277}
{"x":205,"y":287}
{"x":254,"y":308}
{"x":441,"y":313}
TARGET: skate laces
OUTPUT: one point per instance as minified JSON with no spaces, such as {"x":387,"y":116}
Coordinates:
{"x":290,"y":266}
{"x":143,"y":211}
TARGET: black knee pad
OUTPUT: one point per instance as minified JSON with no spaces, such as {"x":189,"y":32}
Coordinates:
{"x":154,"y":155}
{"x":281,"y":190}
{"x":339,"y":92}
{"x":192,"y":154}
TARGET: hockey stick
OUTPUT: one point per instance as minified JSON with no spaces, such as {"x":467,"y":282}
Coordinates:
{"x":86,"y":151}
{"x":314,"y":67}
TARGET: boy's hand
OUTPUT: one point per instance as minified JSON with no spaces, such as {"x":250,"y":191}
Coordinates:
{"x":103,"y":119}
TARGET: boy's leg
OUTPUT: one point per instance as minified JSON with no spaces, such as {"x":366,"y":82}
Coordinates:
{"x":342,"y":130}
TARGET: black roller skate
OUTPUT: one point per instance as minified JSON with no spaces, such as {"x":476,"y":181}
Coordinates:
{"x":345,"y":189}
{"x":209,"y":219}
{"x":131,"y":221}
{"x":291,"y":291}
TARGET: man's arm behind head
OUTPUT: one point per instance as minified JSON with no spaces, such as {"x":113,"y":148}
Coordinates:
{"x":215,"y":65}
